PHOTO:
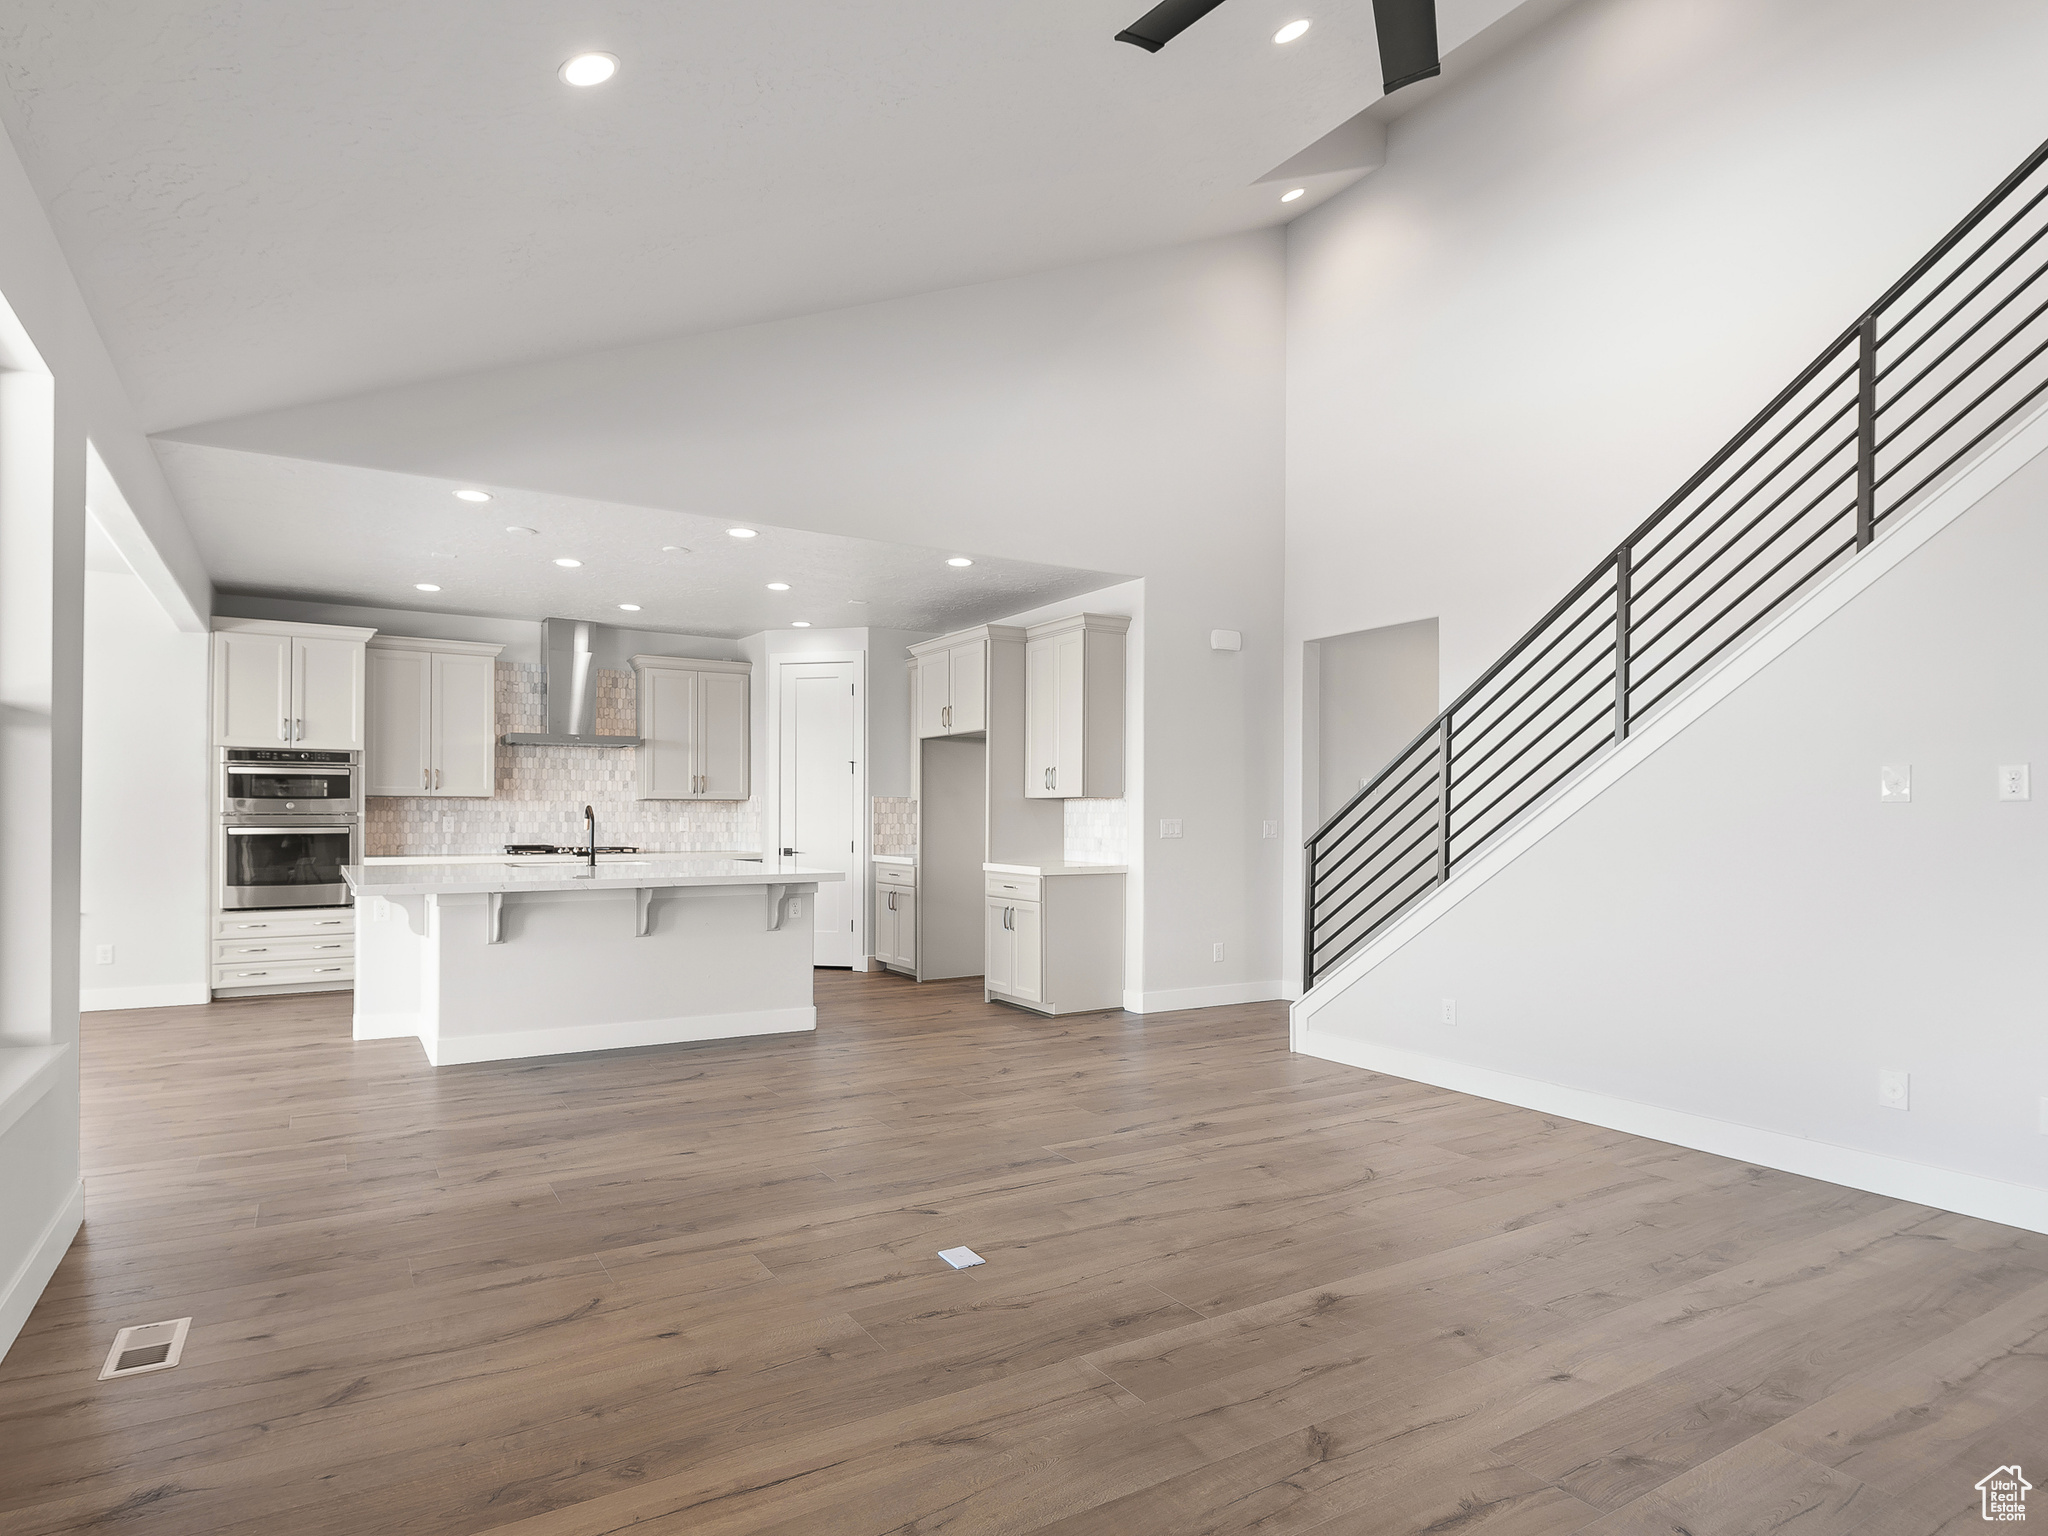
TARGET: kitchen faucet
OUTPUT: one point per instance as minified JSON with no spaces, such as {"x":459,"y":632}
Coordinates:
{"x":590,"y":825}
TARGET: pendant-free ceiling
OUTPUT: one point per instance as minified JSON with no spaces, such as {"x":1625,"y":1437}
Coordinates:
{"x":1406,"y":28}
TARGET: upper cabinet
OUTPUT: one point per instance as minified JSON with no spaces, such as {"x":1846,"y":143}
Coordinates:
{"x":433,"y":726}
{"x":284,"y":684}
{"x":952,"y":686}
{"x":1074,"y":708}
{"x":695,"y":728}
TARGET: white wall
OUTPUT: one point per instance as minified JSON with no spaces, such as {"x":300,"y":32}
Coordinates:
{"x":58,"y":391}
{"x":147,"y":801}
{"x":1584,"y":267}
{"x":1123,"y":416}
{"x":1739,"y":930}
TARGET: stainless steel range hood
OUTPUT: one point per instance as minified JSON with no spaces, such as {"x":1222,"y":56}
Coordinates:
{"x":566,"y":647}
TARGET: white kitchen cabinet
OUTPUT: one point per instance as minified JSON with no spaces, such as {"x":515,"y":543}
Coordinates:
{"x":283,"y":950}
{"x":952,"y":686}
{"x":433,"y":726}
{"x":1074,"y":708}
{"x":278,"y":683}
{"x":1055,"y":938}
{"x":695,"y":728}
{"x":896,"y":917}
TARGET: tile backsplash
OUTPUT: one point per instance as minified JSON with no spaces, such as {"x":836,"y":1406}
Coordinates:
{"x":895,"y":825}
{"x":542,"y":790}
{"x":1098,"y":832}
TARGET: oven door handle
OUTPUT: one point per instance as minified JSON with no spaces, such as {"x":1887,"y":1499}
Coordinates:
{"x":287,"y":770}
{"x":284,"y":831}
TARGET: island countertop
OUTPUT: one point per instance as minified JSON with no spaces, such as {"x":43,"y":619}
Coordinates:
{"x":615,"y":874}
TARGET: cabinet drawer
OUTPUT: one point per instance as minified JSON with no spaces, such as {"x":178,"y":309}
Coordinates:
{"x":901,"y":875}
{"x":287,"y":924}
{"x":1017,"y":887}
{"x":267,"y":951}
{"x":283,"y":971}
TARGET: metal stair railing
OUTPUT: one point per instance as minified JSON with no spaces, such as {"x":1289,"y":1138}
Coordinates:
{"x":1924,"y":379}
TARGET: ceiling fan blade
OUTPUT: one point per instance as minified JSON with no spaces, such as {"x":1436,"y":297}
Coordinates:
{"x":1407,"y":33}
{"x":1168,"y":19}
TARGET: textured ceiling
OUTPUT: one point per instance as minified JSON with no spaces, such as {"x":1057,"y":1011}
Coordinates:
{"x":279,"y":527}
{"x":273,"y":204}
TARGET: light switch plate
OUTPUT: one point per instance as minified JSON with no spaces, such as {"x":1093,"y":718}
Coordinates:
{"x":2013,"y":782}
{"x":1216,"y":953}
{"x":1892,"y":1089}
{"x":1169,"y":826}
{"x":1272,"y":829}
{"x":104,"y":955}
{"x":1895,"y":783}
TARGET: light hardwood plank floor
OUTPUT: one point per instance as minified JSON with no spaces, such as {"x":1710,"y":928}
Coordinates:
{"x":1229,"y":1289}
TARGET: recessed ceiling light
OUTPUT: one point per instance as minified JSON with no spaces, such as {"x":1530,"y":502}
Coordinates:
{"x":1291,"y":31}
{"x":516,"y":529}
{"x":959,"y":560}
{"x":778,"y":586}
{"x":472,"y":495}
{"x":629,"y":607}
{"x":590,"y":68}
{"x":566,"y":563}
{"x":424,"y":586}
{"x":799,"y":623}
{"x":741,"y":533}
{"x":1291,"y":194}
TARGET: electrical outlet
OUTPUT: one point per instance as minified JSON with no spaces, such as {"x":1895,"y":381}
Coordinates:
{"x":1272,"y":829}
{"x":2012,"y":782}
{"x":1895,"y":783}
{"x":104,"y":954}
{"x":1216,"y":952}
{"x":1447,"y":1013}
{"x":1169,"y":826}
{"x":1892,"y":1089}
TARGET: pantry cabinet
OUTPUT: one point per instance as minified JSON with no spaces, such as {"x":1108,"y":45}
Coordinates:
{"x":695,"y":721}
{"x":952,"y":686}
{"x":433,"y":725}
{"x":278,"y":683}
{"x":1074,"y":708}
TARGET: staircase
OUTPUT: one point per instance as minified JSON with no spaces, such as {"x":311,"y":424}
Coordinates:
{"x":1926,"y":382}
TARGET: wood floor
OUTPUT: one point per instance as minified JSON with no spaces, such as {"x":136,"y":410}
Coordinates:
{"x":1228,"y":1289}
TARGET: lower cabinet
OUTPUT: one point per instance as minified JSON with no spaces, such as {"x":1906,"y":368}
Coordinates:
{"x":285,"y":949}
{"x":895,"y":923}
{"x":1055,"y":942}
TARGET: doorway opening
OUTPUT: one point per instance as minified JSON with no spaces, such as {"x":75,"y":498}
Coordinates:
{"x":1366,"y":695}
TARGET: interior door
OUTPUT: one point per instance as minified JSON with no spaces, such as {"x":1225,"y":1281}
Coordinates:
{"x":819,"y":779}
{"x":465,"y":725}
{"x":934,"y":693}
{"x":722,"y":746}
{"x":328,"y":684}
{"x":399,"y":756}
{"x":252,"y":689}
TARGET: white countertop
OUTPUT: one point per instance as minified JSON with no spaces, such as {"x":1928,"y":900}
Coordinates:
{"x":1056,"y":869}
{"x":623,"y":872}
{"x":892,"y":858}
{"x":388,"y":859}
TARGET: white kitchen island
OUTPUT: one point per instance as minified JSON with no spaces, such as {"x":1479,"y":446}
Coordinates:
{"x":491,"y":961}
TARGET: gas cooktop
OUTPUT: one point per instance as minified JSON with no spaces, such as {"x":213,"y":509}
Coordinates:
{"x":529,"y":850}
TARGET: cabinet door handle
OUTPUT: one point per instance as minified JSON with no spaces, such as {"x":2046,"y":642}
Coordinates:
{"x":300,"y":733}
{"x":327,"y":946}
{"x":437,"y":778}
{"x":284,"y":729}
{"x":426,"y":778}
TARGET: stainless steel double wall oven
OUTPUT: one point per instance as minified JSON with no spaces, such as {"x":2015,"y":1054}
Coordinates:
{"x":289,"y":821}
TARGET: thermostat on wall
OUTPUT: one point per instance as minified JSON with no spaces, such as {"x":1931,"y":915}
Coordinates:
{"x":1226,"y":640}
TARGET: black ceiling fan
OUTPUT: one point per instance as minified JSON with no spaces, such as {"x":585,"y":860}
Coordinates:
{"x":1407,"y":34}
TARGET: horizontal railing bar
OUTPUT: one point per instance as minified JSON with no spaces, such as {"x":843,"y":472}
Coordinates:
{"x":1563,"y":718}
{"x":1370,"y":844}
{"x":1427,"y":736}
{"x":1374,"y":927}
{"x":1409,"y":873}
{"x":1962,"y":375}
{"x":1338,"y":852}
{"x":1955,"y":236}
{"x":1743,"y":596}
{"x":1942,"y":468}
{"x":1820,"y":398}
{"x":1338,"y":879}
{"x":1552,"y":783}
{"x":1473,"y":818}
{"x":1934,"y":330}
{"x":1762,"y":485}
{"x":1812,"y":571}
{"x":1735,"y":570}
{"x":1475,"y":726}
{"x":1473,"y":732}
{"x":1530,"y":723}
{"x":1982,"y":395}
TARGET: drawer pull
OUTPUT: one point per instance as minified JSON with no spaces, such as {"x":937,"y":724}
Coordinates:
{"x":255,"y":973}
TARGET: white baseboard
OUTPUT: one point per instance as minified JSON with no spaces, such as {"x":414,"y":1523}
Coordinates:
{"x":1223,"y":995}
{"x":509,"y":1045}
{"x":2015,"y":1205}
{"x":169,"y":994}
{"x":25,"y":1287}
